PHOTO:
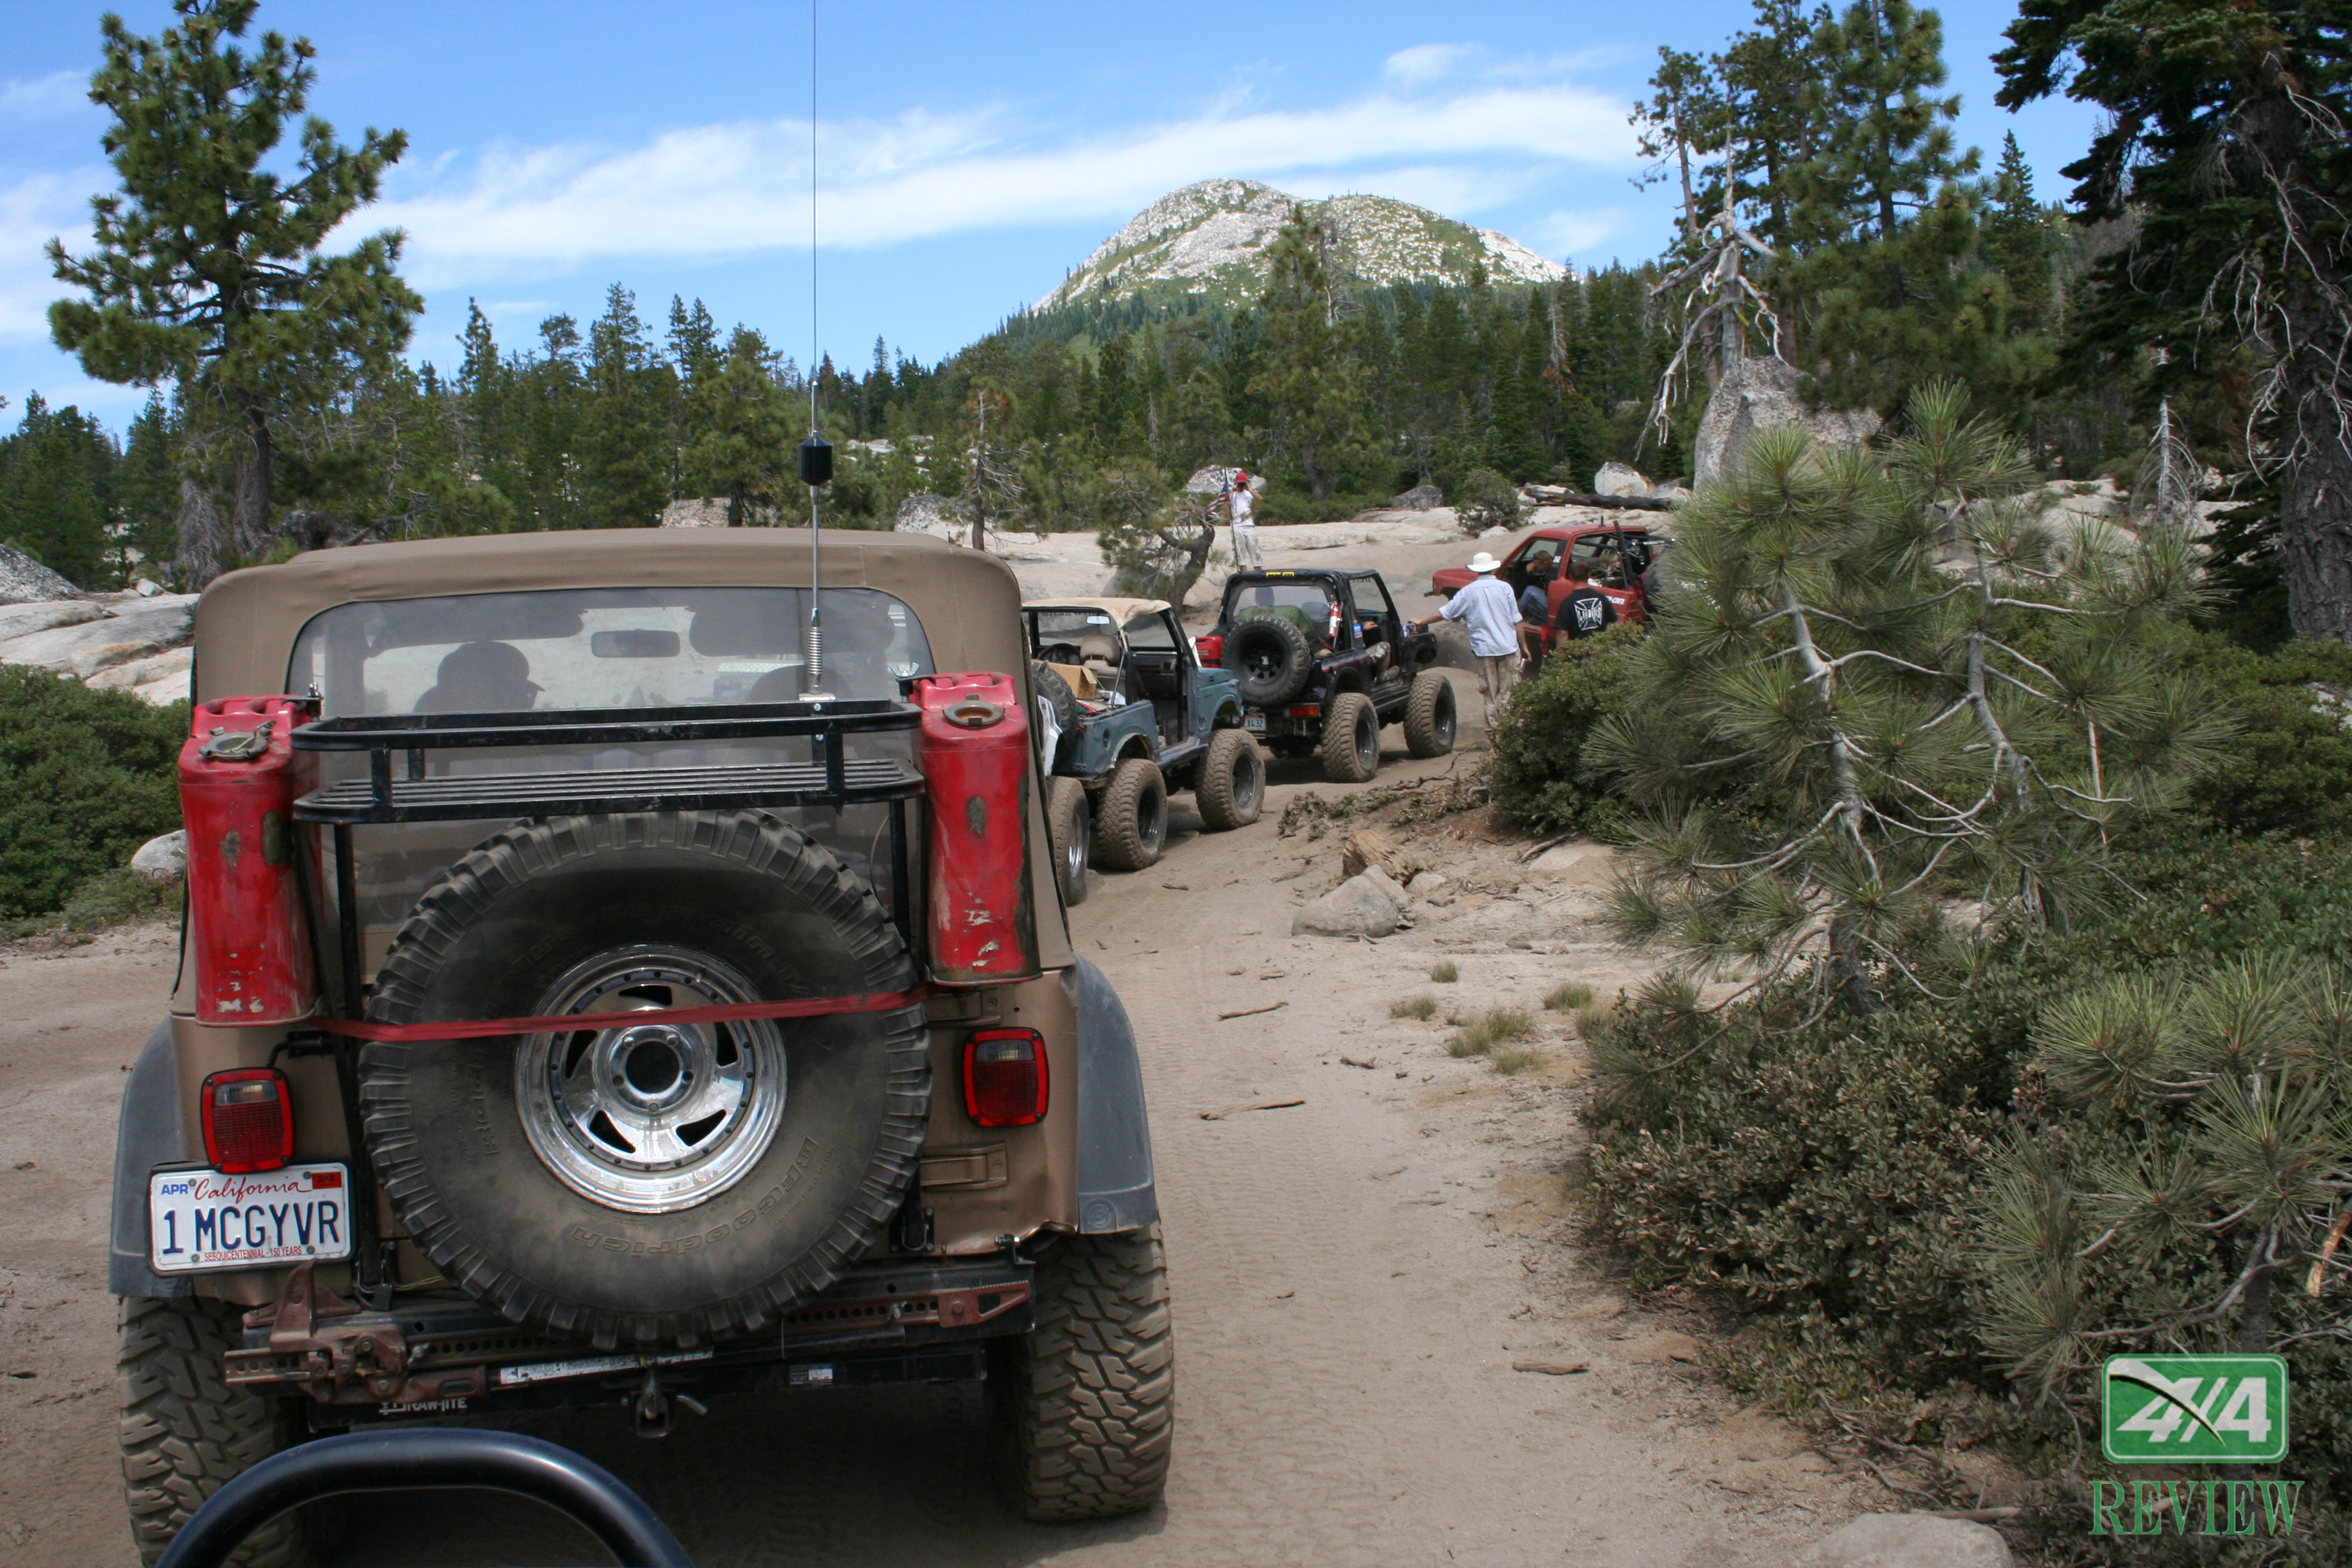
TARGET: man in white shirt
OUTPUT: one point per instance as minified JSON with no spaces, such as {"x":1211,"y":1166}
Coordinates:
{"x":1492,"y":612}
{"x":1241,"y":506}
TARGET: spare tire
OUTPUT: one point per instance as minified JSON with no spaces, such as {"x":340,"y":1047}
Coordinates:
{"x":1056,"y":693}
{"x":1270,"y":656}
{"x":661,"y":1185}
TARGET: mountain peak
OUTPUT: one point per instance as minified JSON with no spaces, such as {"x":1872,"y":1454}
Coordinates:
{"x":1209,"y":238}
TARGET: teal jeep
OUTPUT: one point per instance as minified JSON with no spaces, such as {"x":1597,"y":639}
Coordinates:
{"x":1136,"y":715}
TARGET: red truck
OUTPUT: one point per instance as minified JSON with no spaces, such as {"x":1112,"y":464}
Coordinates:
{"x":1613,"y":558}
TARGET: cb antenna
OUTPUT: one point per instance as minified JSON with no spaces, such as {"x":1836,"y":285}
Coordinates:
{"x":815,"y":453}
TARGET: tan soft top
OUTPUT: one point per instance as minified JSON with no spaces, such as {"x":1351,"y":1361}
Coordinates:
{"x":1121,"y":610}
{"x":968,"y":600}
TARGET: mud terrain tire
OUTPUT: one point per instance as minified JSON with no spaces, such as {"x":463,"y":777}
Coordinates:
{"x":1232,"y":788}
{"x":1351,"y":747}
{"x":185,"y":1433}
{"x":1057,"y":695}
{"x":652,"y":1184}
{"x":1083,"y":1403}
{"x":1131,"y":816}
{"x":1429,"y":722}
{"x":1070,"y":830}
{"x":1271,"y":657}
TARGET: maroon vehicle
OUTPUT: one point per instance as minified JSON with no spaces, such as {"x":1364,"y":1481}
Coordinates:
{"x":1565,"y":557}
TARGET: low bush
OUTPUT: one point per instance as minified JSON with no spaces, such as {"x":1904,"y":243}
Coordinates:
{"x":1486,"y":500}
{"x":1571,"y":997}
{"x":1847,"y":1180}
{"x":2289,"y":767}
{"x":1293,"y":506}
{"x":1444,"y":972}
{"x":1424,"y":1007}
{"x":85,"y":778}
{"x":1536,"y":771}
{"x":1509,"y":1060}
{"x":1479,"y":1035}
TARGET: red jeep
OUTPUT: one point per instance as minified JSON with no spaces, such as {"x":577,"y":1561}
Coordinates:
{"x":1613,"y":558}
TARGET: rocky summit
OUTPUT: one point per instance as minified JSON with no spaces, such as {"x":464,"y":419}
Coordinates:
{"x":1209,"y":238}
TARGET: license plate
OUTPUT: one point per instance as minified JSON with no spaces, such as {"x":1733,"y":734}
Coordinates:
{"x":202,"y":1219}
{"x":1254,"y":722}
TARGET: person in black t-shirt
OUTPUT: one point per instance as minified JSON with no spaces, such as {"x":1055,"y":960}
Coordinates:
{"x":1584,"y":612}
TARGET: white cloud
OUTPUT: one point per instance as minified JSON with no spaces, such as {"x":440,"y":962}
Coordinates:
{"x":33,"y":212}
{"x":57,"y":96}
{"x":1428,"y":62}
{"x":1570,"y":230}
{"x":734,"y":189}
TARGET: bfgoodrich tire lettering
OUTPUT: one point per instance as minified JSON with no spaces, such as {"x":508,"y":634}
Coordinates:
{"x":446,"y":1120}
{"x":185,"y":1433}
{"x":1083,"y":1403}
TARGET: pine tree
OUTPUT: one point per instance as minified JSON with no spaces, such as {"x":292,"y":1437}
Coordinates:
{"x":2224,"y":142}
{"x":207,"y":267}
{"x":743,"y":426}
{"x":1306,"y":370}
{"x":622,"y":452}
{"x":57,"y":491}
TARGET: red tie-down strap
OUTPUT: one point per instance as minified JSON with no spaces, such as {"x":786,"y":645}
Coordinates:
{"x":567,"y":1023}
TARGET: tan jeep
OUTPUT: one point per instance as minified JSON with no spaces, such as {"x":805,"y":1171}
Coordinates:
{"x":820,"y":1132}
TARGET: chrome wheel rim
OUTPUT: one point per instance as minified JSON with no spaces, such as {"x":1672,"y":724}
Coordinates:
{"x":650,"y":1117}
{"x":1368,"y":741}
{"x":1445,"y":718}
{"x":1073,"y":853}
{"x":1245,"y":777}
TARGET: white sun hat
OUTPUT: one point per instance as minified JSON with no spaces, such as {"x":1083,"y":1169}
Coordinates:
{"x":1483,"y":564}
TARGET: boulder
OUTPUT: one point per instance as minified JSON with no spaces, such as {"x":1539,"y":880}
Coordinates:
{"x":1420,"y":498}
{"x":159,"y":677}
{"x":82,"y":650}
{"x":1357,"y":907}
{"x":163,"y":859}
{"x":1619,"y":480}
{"x":25,"y":581}
{"x":1762,"y":394}
{"x":1391,"y":889}
{"x":941,"y":517}
{"x":1909,"y":1541}
{"x":24,"y":620}
{"x":711,"y":511}
{"x":1214,"y":480}
{"x":1428,"y":884}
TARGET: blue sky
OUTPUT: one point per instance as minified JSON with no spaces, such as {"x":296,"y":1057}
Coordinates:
{"x":969,"y":155}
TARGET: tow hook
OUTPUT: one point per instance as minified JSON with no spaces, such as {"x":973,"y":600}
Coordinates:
{"x":651,"y":1407}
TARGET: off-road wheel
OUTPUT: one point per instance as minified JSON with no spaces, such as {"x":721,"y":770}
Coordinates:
{"x":1270,"y":657}
{"x":1082,"y":1403}
{"x":1057,"y":694}
{"x":185,"y":1433}
{"x":1131,"y":816}
{"x":1069,"y":828}
{"x":1232,"y":788}
{"x":1429,"y":715}
{"x":1351,"y":738}
{"x":648,"y":1183}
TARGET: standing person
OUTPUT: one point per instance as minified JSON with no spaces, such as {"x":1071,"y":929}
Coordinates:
{"x":1586,"y":612}
{"x":1241,"y":507}
{"x":1492,"y":612}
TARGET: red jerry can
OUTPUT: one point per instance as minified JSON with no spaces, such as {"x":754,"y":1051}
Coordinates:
{"x":973,"y":750}
{"x":239,"y":775}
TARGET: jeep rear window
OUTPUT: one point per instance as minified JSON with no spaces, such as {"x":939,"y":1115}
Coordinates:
{"x":1312,"y":598}
{"x":601,"y":648}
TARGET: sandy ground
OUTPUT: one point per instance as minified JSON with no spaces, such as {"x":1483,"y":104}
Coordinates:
{"x":1353,"y":1278}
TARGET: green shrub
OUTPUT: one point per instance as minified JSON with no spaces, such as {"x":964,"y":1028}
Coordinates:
{"x":1839,"y":1178}
{"x":2289,"y":768}
{"x":1424,"y":1007}
{"x":1297,"y":506}
{"x":1482,"y":1034}
{"x":1445,"y":972}
{"x":85,"y":778}
{"x":1509,"y":1060}
{"x":1486,"y":500}
{"x":1536,"y":771}
{"x":1570,"y":997}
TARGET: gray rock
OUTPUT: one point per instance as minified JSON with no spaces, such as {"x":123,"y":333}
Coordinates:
{"x":163,"y":859}
{"x":1355,"y":908}
{"x":1214,"y":480}
{"x":1760,"y":395}
{"x":1428,"y":884}
{"x":1389,"y":889}
{"x":1420,"y":498}
{"x":84,"y":649}
{"x":25,"y":581}
{"x":151,"y":677}
{"x":23,"y":620}
{"x":1619,"y":480}
{"x":711,"y":511}
{"x":942,"y":517}
{"x":1909,"y":1541}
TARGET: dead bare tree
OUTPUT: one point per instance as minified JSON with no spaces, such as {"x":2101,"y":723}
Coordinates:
{"x":1716,"y":307}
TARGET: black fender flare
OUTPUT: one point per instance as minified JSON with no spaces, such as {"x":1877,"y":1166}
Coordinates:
{"x":1117,"y":1189}
{"x":146,"y":1135}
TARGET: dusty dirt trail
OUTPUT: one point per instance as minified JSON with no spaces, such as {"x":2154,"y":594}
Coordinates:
{"x":1354,"y":1279}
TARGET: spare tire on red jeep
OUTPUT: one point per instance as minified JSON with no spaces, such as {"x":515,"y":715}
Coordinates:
{"x":658,"y":1183}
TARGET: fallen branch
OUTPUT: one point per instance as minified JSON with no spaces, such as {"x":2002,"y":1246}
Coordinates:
{"x":1251,"y":1012}
{"x":1254,"y":1105}
{"x":1553,"y":495}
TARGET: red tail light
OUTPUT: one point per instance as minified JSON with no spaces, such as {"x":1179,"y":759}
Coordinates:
{"x":1005,"y":1077}
{"x":248,"y":1120}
